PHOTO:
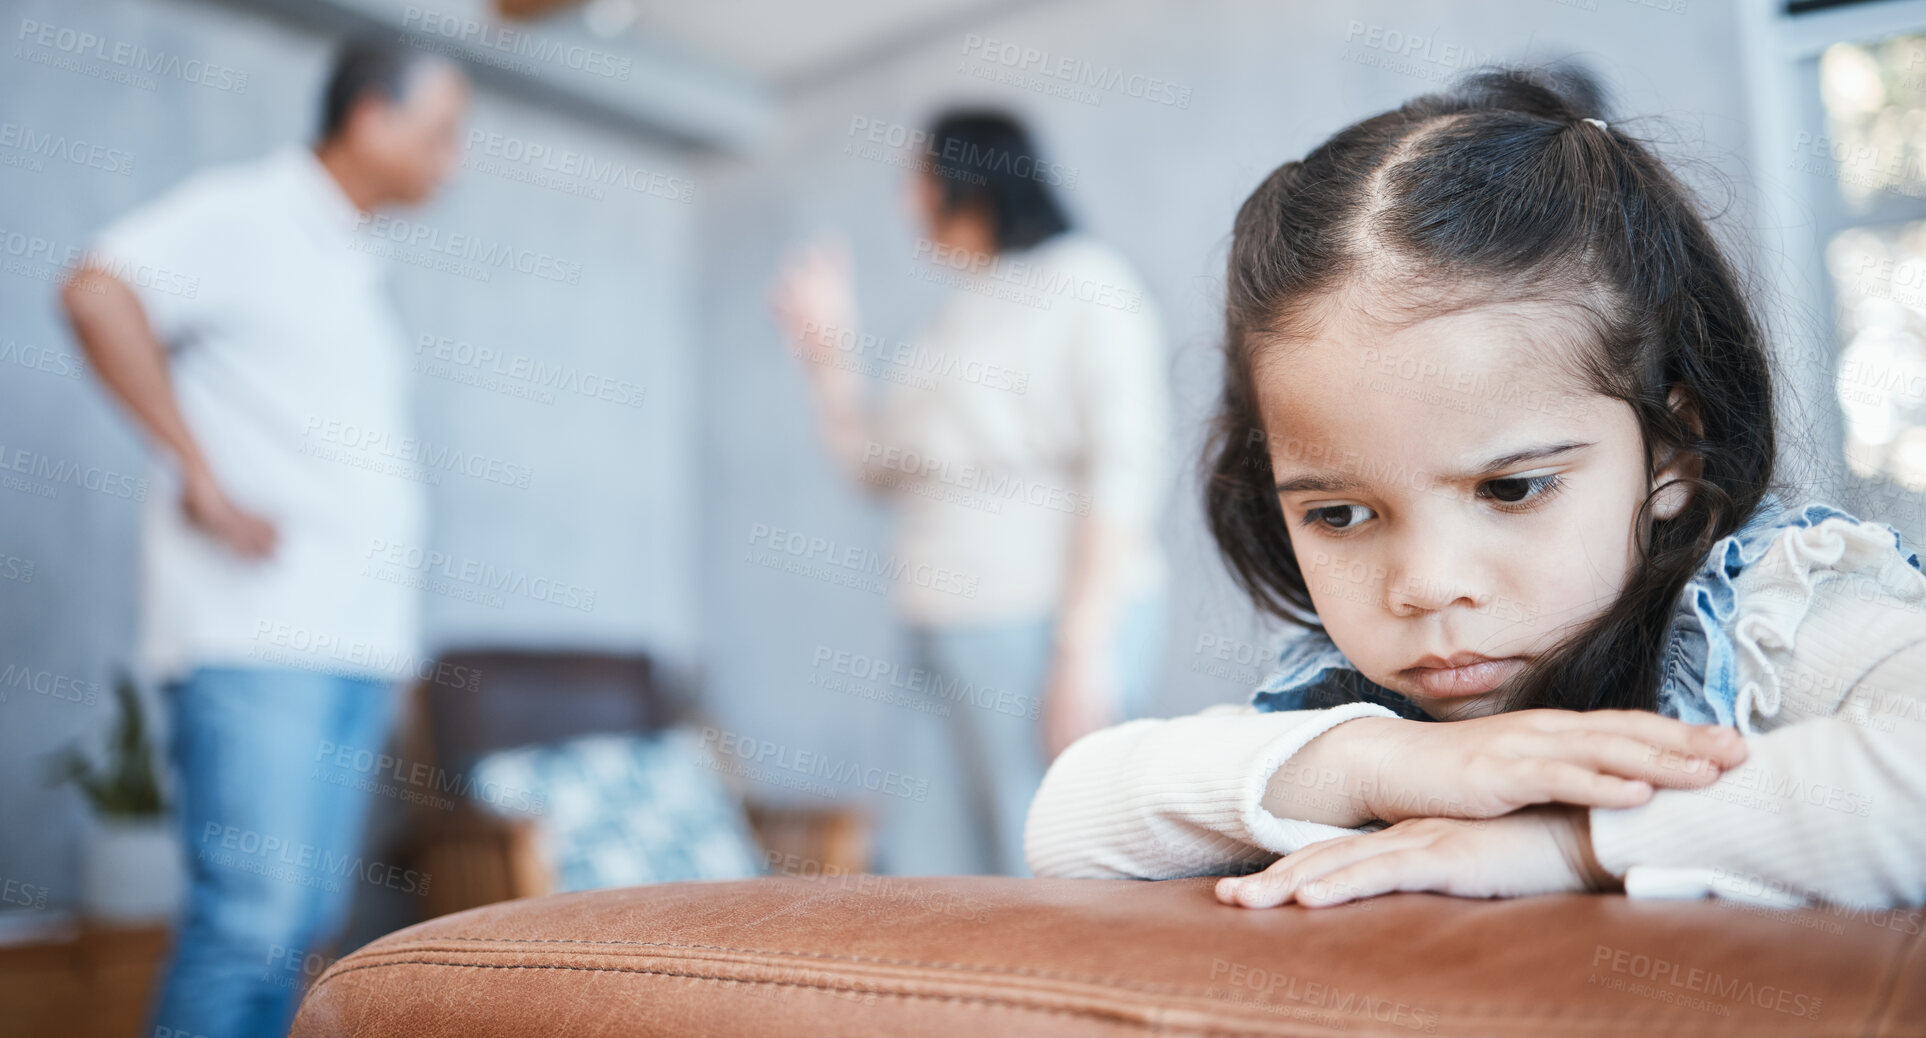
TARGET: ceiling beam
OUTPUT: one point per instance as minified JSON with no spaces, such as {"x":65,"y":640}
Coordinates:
{"x":642,"y":86}
{"x":947,"y":27}
{"x":528,"y":10}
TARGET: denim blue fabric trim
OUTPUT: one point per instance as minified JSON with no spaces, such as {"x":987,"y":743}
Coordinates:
{"x":1314,"y":674}
{"x":1698,"y":681}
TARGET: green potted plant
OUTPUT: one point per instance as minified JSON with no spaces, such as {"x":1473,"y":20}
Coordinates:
{"x":130,"y":868}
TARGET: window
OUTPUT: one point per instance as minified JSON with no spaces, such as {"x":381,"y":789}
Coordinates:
{"x":1838,"y":119}
{"x":1874,"y":97}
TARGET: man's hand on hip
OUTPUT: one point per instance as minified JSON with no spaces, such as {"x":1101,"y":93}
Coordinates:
{"x":242,"y":532}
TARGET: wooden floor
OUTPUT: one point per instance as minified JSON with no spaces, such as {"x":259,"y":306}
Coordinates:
{"x":98,"y":983}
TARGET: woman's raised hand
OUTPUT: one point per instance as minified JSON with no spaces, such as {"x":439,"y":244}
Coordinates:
{"x":814,"y":296}
{"x":1392,"y":769}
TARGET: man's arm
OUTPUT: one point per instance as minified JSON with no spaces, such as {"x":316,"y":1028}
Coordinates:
{"x":121,"y":347}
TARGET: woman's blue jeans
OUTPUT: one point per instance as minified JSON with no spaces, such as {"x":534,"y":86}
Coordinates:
{"x":982,"y":752}
{"x":271,"y":816}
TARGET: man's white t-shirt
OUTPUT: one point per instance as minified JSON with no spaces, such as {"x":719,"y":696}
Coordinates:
{"x":291,"y":372}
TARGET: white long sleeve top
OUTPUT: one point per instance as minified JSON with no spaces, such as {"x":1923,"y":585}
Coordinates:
{"x":1830,"y":802}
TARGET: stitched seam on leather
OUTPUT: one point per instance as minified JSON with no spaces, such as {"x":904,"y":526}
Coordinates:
{"x":1138,"y":986}
{"x":1116,"y":982}
{"x":1453,"y":1007}
{"x":986,"y":1000}
{"x":1148,"y":1026}
{"x":876,"y":960}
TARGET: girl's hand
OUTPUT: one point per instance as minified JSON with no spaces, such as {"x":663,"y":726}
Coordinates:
{"x":1392,"y":769}
{"x":1540,"y":850}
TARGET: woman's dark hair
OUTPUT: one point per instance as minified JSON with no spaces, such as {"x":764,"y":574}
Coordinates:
{"x":984,"y":159}
{"x":365,"y":65}
{"x":1502,"y":188}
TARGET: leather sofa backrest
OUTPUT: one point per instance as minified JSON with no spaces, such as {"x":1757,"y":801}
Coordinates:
{"x":977,"y":956}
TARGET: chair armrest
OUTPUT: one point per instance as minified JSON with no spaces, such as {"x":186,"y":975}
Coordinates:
{"x":798,"y":841}
{"x":471,"y":858}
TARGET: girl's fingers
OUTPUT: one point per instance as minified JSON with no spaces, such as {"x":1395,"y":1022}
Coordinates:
{"x":1559,"y":781}
{"x":1410,"y":868}
{"x":1266,"y":889}
{"x":1277,"y":884}
{"x":1627,"y":757}
{"x":1669,"y":745}
{"x":1226,"y":889}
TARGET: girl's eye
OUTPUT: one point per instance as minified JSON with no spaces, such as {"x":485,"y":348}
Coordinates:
{"x":1336,"y":517}
{"x":1513,"y":490}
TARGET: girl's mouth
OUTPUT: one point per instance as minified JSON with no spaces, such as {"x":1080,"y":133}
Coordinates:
{"x":1467,"y":679}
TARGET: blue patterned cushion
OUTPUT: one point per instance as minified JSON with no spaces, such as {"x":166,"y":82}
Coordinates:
{"x":618,"y":810}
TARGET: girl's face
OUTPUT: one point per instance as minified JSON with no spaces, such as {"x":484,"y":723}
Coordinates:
{"x":1456,"y":502}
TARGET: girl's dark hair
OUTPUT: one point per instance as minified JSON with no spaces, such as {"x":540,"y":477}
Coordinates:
{"x":1502,"y":186}
{"x":984,"y":159}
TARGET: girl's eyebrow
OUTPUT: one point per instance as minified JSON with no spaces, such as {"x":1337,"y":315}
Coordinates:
{"x":1330,"y":483}
{"x":1322,"y":484}
{"x":1529,"y":454}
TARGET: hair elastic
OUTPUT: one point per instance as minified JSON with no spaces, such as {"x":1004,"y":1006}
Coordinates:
{"x":1600,"y":123}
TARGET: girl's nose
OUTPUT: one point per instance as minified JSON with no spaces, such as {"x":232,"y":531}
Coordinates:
{"x":1416,"y":597}
{"x":1432,"y":578}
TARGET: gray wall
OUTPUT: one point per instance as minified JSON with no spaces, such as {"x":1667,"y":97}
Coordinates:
{"x":611,"y":501}
{"x":652,"y":507}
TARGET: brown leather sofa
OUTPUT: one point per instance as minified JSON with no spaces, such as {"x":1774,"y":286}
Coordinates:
{"x":861,"y":954}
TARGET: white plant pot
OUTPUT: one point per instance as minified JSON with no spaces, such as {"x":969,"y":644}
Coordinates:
{"x":130,"y":871}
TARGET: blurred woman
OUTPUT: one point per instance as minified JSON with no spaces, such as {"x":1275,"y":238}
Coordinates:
{"x":1021,"y":441}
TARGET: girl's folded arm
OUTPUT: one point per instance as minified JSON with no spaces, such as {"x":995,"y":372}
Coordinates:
{"x":1832,"y":805}
{"x":1159,"y":799}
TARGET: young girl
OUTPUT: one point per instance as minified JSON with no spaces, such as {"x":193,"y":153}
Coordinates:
{"x":1497,"y":429}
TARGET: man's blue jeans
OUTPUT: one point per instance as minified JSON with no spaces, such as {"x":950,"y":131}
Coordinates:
{"x":272,"y":828}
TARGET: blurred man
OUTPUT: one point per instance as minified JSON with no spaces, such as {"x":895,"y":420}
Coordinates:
{"x":241,"y":321}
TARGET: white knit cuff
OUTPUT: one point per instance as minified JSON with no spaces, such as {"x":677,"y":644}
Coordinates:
{"x":1285,"y":835}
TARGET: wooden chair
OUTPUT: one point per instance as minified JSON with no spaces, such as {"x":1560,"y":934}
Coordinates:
{"x":483,"y":701}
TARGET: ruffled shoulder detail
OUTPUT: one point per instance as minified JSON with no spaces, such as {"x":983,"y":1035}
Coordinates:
{"x":1739,"y":611}
{"x":1778,"y":591}
{"x":1312,"y":673}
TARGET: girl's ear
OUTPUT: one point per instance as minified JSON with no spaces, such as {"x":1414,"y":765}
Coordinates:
{"x":1679,"y":464}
